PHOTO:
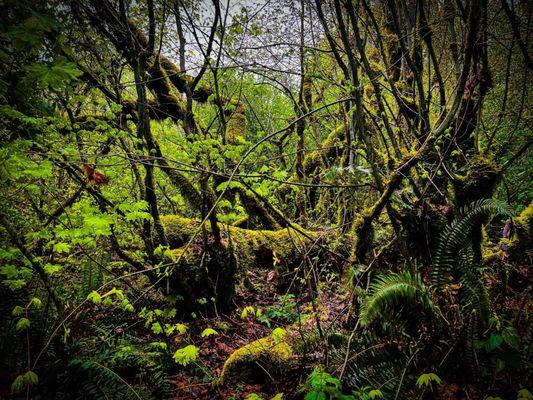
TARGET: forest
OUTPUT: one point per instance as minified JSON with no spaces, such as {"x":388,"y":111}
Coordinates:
{"x":266,"y":199}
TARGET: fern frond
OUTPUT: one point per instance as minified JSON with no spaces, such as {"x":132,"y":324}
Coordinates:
{"x":100,"y":380}
{"x":456,"y":236}
{"x":391,"y":290}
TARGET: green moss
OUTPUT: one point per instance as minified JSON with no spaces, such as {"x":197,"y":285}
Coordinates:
{"x":522,"y":240}
{"x":236,"y":128}
{"x":478,"y":181}
{"x":178,"y":229}
{"x":327,"y":152}
{"x":251,"y":360}
{"x":251,"y":248}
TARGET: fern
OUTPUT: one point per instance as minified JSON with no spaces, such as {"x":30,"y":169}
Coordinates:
{"x":456,"y":236}
{"x":391,"y":290}
{"x":101,"y":382}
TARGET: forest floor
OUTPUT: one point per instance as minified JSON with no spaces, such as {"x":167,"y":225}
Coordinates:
{"x":277,"y":311}
{"x":332,"y":306}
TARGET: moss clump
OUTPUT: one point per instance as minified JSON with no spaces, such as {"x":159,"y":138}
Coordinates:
{"x":478,"y":182}
{"x":522,"y":240}
{"x":178,"y":229}
{"x":327,"y":153}
{"x":250,"y":361}
{"x":236,"y":128}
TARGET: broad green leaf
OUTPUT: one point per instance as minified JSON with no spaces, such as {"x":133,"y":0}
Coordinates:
{"x":511,"y":337}
{"x":23,"y":323}
{"x":186,"y":355}
{"x":52,"y":268}
{"x":208,"y":332}
{"x":18,"y":310}
{"x":61,"y":247}
{"x":95,"y":297}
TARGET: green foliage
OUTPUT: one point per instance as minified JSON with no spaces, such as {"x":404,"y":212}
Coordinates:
{"x":391,"y":291}
{"x":427,"y":380}
{"x":208,"y":332}
{"x":320,"y":385}
{"x":101,"y":382}
{"x":284,"y":312}
{"x":55,"y":75}
{"x":28,"y":379}
{"x":186,"y":355}
{"x":456,"y":237}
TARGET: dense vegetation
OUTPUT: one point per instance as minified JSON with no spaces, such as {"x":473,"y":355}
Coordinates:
{"x":319,"y":199}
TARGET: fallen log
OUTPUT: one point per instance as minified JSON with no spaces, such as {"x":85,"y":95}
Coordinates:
{"x":202,"y":269}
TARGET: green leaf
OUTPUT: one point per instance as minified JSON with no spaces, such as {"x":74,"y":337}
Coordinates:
{"x":426,"y":380}
{"x":31,"y":378}
{"x":511,"y":337}
{"x":253,"y":396}
{"x":158,"y":345}
{"x":186,"y":355}
{"x":208,"y":332}
{"x":99,"y":225}
{"x":157,"y":328}
{"x":181,"y":328}
{"x":18,"y":310}
{"x":247,"y":310}
{"x":23,"y":323}
{"x":56,"y":75}
{"x":51,"y":268}
{"x":61,"y":247}
{"x":36,"y":302}
{"x":95,"y":297}
{"x":494,"y":342}
{"x":18,"y":384}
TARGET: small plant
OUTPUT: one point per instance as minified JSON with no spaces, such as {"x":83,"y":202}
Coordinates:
{"x":284,"y":312}
{"x":320,"y":385}
{"x":426,"y":381}
{"x":186,"y":355}
{"x":208,"y":332}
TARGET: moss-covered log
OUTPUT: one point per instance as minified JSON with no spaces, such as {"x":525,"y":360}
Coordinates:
{"x":282,"y":248}
{"x":258,"y":360}
{"x":204,"y":270}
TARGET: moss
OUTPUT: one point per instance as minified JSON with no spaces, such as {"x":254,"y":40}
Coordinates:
{"x":328,"y":151}
{"x":522,"y":239}
{"x":251,"y":248}
{"x":251,"y":360}
{"x":258,"y":215}
{"x":236,"y":128}
{"x":478,"y":182}
{"x":178,"y":229}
